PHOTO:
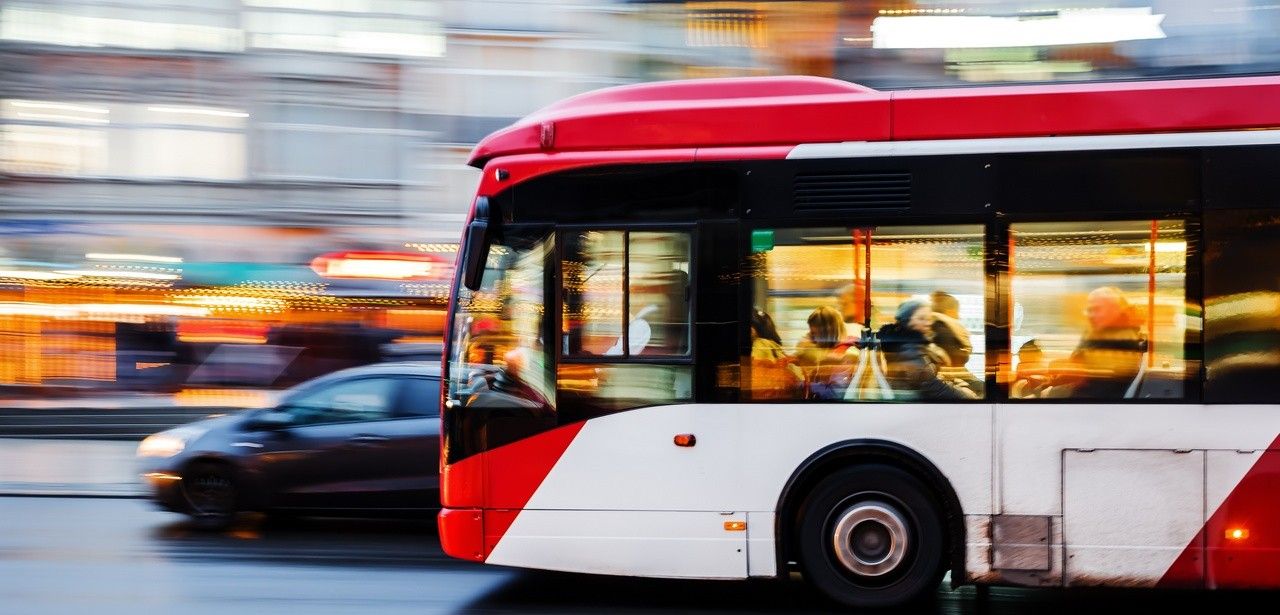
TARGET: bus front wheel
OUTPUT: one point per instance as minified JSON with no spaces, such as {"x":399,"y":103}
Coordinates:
{"x":871,"y":536}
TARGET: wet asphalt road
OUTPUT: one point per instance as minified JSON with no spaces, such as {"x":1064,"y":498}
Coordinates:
{"x":88,"y":556}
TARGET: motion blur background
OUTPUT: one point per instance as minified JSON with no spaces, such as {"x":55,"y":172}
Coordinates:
{"x":207,"y":200}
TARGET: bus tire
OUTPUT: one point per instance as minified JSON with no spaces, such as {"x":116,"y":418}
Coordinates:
{"x":870,"y":536}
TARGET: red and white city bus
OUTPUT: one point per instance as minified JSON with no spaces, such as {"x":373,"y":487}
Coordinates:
{"x":738,"y":328}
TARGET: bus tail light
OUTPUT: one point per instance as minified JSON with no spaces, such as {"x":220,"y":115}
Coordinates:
{"x":1237,"y":533}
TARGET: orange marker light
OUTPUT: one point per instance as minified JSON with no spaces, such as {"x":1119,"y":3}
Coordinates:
{"x":685,"y":439}
{"x":735,"y":526}
{"x":1237,"y":533}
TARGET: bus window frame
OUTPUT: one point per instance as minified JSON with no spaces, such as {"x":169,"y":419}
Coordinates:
{"x":861,"y":220}
{"x":1193,"y":295}
{"x":689,"y":358}
{"x":500,"y":237}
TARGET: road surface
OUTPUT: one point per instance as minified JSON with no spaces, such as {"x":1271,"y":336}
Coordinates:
{"x":112,"y":555}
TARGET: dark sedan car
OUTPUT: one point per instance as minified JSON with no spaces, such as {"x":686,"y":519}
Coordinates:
{"x":355,"y":442}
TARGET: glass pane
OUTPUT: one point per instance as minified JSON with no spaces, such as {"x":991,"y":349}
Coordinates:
{"x":817,"y":335}
{"x":420,"y":397}
{"x":367,"y":399}
{"x":497,"y":356}
{"x":593,"y":390}
{"x":1241,"y":306}
{"x":592,"y":273}
{"x":659,"y":285}
{"x":1099,"y":310}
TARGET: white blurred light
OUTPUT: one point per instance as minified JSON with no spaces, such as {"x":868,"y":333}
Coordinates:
{"x":58,"y":117}
{"x":1166,"y":247}
{"x":199,"y":111}
{"x":233,"y":302}
{"x":22,"y":274}
{"x":1068,"y":27}
{"x":110,"y":273}
{"x":9,"y":308}
{"x":171,"y":442}
{"x":143,"y":258}
{"x":57,"y":106}
{"x":139,"y":309}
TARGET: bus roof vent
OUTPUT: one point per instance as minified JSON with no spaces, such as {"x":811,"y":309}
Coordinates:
{"x":837,"y":191}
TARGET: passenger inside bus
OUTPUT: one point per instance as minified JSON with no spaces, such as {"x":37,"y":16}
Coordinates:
{"x":950,"y":335}
{"x":773,"y":373}
{"x":915,"y":362}
{"x":1109,"y":355}
{"x":824,"y":355}
{"x":1032,"y":376}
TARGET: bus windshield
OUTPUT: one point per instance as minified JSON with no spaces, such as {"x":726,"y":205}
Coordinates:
{"x":497,"y":355}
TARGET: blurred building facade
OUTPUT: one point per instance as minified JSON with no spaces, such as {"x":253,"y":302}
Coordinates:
{"x":170,"y":170}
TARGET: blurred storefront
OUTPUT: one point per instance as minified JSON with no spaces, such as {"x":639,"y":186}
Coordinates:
{"x":166,"y":307}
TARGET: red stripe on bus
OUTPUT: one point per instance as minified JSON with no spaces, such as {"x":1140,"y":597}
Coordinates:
{"x":500,"y":481}
{"x":1239,"y":546}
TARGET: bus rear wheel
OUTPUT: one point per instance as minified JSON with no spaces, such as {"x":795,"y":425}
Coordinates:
{"x":871,"y":536}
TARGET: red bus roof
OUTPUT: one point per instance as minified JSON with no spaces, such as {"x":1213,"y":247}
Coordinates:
{"x":782,"y":111}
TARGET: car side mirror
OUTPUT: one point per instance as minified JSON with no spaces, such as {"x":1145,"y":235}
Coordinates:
{"x":271,"y":420}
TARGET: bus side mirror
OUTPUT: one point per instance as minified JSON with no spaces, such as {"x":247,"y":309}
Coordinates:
{"x":477,"y":246}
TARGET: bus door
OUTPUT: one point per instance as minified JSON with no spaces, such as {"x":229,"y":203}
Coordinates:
{"x":646,"y":478}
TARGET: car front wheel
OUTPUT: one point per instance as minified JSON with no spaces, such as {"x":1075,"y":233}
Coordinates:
{"x":211,"y":495}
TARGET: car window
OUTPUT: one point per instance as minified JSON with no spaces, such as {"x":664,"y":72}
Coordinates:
{"x":365,"y":399}
{"x":419,"y":397}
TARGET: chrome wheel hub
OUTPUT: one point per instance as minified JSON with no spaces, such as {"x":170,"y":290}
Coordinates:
{"x":870,"y":538}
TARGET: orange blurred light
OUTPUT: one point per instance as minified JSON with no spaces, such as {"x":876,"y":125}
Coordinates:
{"x":1237,"y":533}
{"x":218,"y":332}
{"x":378,"y":265}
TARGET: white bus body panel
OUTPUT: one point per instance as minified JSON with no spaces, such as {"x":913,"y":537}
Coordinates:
{"x":626,"y":466}
{"x":1141,"y":482}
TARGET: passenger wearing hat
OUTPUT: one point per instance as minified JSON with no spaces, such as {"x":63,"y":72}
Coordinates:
{"x":915,"y":362}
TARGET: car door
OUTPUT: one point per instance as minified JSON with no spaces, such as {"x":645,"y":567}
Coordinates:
{"x":414,"y":468}
{"x":333,"y":455}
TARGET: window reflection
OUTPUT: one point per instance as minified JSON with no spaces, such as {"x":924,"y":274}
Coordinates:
{"x":366,"y":399}
{"x":1242,"y":306}
{"x":588,"y":390}
{"x":887,"y":313}
{"x":1099,"y":310}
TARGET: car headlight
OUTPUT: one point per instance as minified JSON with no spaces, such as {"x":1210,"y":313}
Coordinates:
{"x":171,"y":442}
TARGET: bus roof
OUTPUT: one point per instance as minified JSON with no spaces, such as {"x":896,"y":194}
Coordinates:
{"x":788,"y":111}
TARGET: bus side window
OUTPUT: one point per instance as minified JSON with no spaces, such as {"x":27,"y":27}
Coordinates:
{"x":1100,"y":310}
{"x":626,"y":300}
{"x":1242,"y":306}
{"x":891,"y":313}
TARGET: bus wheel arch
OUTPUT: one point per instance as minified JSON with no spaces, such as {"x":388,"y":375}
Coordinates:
{"x":853,"y":453}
